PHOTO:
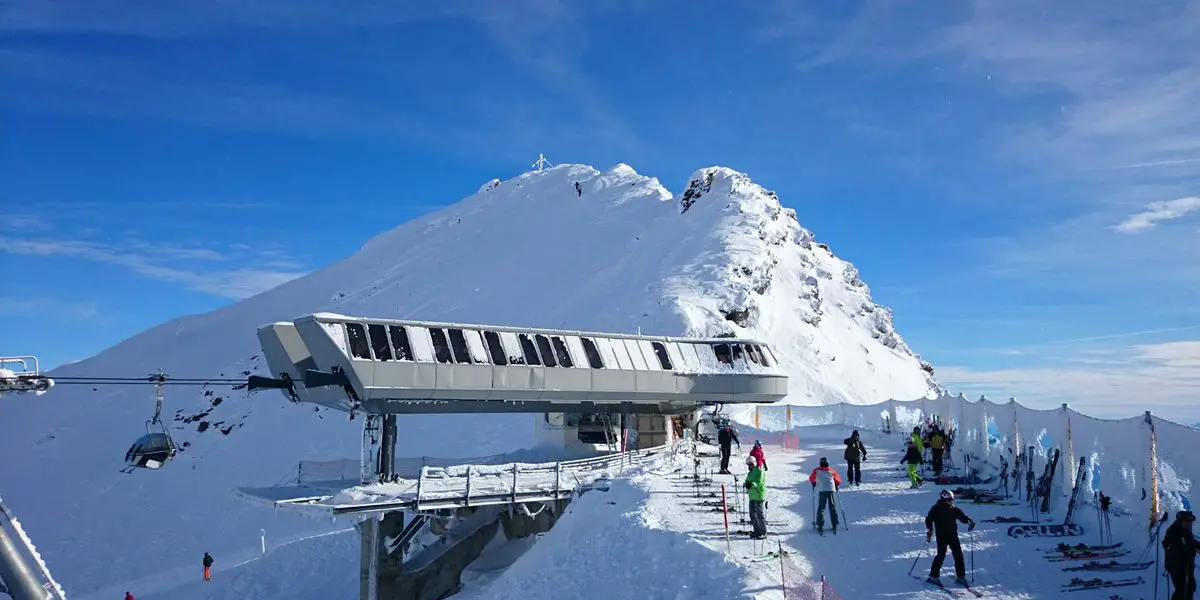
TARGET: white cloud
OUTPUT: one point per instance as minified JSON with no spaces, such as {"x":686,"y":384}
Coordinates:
{"x":48,"y":308}
{"x":1163,"y":378}
{"x":1159,"y":211}
{"x":173,"y":263}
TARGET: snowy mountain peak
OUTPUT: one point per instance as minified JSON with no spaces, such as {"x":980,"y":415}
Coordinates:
{"x":568,"y":247}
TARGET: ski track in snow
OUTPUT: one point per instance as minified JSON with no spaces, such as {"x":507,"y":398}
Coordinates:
{"x":527,"y":252}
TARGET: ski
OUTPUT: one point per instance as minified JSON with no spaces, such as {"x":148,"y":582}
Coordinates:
{"x":1078,"y":584}
{"x":1111,"y":565}
{"x":1061,"y":547}
{"x":1086,"y":556}
{"x":1047,"y":491}
{"x":1080,"y":476}
{"x":940,"y":586}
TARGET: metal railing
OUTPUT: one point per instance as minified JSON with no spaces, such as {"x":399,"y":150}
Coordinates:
{"x":488,"y":485}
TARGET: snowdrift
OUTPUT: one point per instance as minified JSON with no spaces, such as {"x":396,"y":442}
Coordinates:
{"x":618,"y":254}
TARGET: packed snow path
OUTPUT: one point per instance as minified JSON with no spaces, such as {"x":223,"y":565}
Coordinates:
{"x":886,"y":531}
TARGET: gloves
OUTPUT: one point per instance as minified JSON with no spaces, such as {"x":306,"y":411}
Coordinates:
{"x":970,"y":525}
{"x":928,"y":535}
{"x":749,"y":485}
{"x":814,"y":486}
{"x":766,"y":468}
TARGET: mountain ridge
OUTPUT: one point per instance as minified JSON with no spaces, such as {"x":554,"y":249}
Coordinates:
{"x":617,"y":253}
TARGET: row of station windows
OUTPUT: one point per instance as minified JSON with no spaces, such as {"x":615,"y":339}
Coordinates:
{"x":467,"y":346}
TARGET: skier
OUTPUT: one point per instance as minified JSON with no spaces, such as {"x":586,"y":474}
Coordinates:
{"x":825,"y":480}
{"x":756,"y":487}
{"x":129,"y":596}
{"x":943,"y":517}
{"x":917,"y":441}
{"x":757,"y":453}
{"x":578,"y":190}
{"x":856,"y":452}
{"x":912,"y":457}
{"x":937,"y":445}
{"x":726,"y":437}
{"x":208,"y":561}
{"x":1179,"y":546}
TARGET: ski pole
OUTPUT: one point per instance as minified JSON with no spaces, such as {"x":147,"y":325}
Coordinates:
{"x":919,"y":555}
{"x":972,"y":536}
{"x":838,"y":494}
{"x":814,"y":503}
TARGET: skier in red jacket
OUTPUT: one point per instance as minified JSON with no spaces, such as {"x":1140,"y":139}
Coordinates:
{"x":757,"y":453}
{"x":129,"y":596}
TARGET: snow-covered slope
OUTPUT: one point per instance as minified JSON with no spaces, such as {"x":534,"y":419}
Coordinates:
{"x":618,"y":254}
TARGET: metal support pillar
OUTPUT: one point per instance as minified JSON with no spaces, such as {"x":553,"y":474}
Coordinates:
{"x":22,"y":584}
{"x":387,"y":449}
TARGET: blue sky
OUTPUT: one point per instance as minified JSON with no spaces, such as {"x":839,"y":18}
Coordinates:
{"x":1017,"y":181}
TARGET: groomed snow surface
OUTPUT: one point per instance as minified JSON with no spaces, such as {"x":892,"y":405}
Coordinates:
{"x":658,"y":535}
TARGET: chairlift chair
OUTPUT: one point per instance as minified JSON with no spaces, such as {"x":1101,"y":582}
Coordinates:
{"x":156,"y":448}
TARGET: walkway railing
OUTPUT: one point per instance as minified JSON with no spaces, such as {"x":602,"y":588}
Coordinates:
{"x":459,"y":486}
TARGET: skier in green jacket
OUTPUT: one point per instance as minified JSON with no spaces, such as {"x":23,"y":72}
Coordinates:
{"x":756,"y":486}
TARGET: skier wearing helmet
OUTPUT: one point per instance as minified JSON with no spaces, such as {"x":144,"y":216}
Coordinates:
{"x":756,"y":487}
{"x":825,"y":481}
{"x":943,"y":518}
{"x":757,"y":453}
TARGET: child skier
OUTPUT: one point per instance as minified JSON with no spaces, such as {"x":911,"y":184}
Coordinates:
{"x":912,"y":457}
{"x":825,"y":481}
{"x":756,"y":487}
{"x":757,"y":453}
{"x":943,"y":518}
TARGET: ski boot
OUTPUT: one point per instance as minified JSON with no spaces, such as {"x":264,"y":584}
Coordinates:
{"x":962,"y":581}
{"x":934,"y":580}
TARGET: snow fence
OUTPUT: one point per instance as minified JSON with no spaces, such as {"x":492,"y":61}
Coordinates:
{"x":1146,"y":464}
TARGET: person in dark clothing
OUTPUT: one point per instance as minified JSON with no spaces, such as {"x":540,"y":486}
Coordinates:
{"x":1179,"y":546}
{"x":856,"y":452}
{"x":208,"y":561}
{"x":943,"y":519}
{"x":912,"y":457}
{"x":726,"y":437}
{"x":937,"y":447}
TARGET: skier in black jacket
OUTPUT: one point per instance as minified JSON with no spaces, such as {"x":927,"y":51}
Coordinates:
{"x":726,"y":437}
{"x":1179,"y":544}
{"x":943,"y":518}
{"x":855,"y":453}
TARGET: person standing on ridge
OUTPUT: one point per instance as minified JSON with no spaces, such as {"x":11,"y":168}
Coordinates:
{"x":912,"y":457}
{"x":856,"y":452}
{"x":943,"y":518}
{"x":825,"y":481}
{"x":208,"y":561}
{"x":937,"y":445}
{"x":756,"y":487}
{"x":1179,"y":546}
{"x":757,"y":454}
{"x":726,"y":437}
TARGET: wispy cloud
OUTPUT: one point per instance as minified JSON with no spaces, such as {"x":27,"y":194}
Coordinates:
{"x":48,"y":308}
{"x":200,"y":269}
{"x":542,"y":37}
{"x":1159,"y":211}
{"x":1164,"y":378}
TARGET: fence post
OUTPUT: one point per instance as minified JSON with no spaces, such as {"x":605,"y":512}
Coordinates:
{"x":1153,"y":472}
{"x":516,"y":467}
{"x":788,"y":425}
{"x":557,"y":477}
{"x":725,"y":511}
{"x":467,"y":501}
{"x":420,"y":478}
{"x":1016,"y":441}
{"x":756,"y":418}
{"x":1069,"y":473}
